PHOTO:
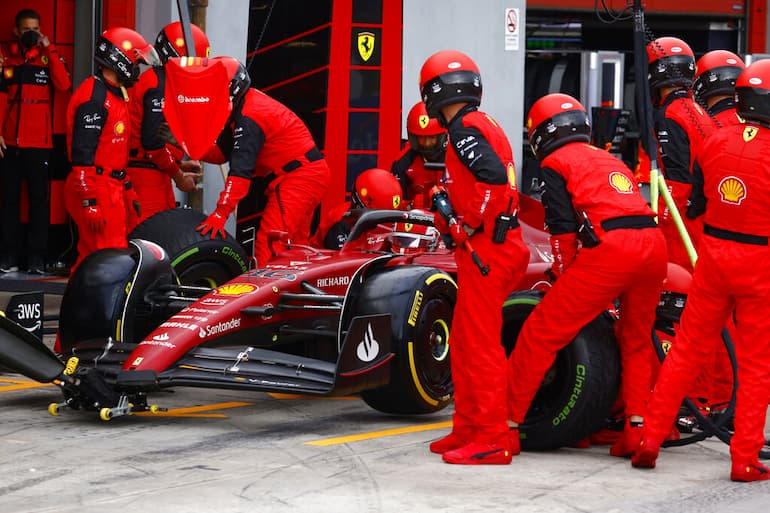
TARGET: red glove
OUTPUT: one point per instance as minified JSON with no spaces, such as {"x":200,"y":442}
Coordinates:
{"x":215,"y":223}
{"x":440,"y":223}
{"x":94,"y":218}
{"x":564,"y":250}
{"x":235,"y":190}
{"x":458,"y":233}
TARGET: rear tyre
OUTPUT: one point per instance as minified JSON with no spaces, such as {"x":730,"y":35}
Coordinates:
{"x":420,"y":300}
{"x":579,"y":389}
{"x":197,"y":260}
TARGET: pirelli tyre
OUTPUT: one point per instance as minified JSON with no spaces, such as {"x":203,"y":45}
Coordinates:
{"x":420,"y":301}
{"x":579,"y":389}
{"x":196,"y":259}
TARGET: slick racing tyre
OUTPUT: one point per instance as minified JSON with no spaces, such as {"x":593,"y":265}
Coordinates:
{"x":420,"y":301}
{"x":579,"y":389}
{"x":196,"y":259}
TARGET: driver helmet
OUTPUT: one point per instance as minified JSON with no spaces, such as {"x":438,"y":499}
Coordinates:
{"x":170,"y":42}
{"x":409,"y":238}
{"x":121,"y":50}
{"x":377,"y":189}
{"x":419,"y":126}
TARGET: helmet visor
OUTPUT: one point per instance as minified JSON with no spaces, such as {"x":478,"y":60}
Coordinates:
{"x":147,"y":55}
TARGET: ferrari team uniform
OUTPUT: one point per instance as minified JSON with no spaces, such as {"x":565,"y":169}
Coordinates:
{"x":732,"y":182}
{"x":626,"y":260}
{"x":270,"y":143}
{"x":680,"y":127}
{"x":152,"y":162}
{"x":416,"y":181}
{"x":334,"y":228}
{"x":715,"y":383}
{"x":27,"y":83}
{"x":97,"y":193}
{"x":481,"y":184}
{"x":724,"y":113}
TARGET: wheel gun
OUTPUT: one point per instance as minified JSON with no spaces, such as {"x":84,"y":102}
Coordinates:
{"x":440,"y":204}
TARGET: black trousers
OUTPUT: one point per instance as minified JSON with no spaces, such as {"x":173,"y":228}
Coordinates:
{"x":30,"y":165}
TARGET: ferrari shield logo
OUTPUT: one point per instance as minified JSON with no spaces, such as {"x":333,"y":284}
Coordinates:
{"x":365,"y":45}
{"x":423,"y":120}
{"x":749,"y":133}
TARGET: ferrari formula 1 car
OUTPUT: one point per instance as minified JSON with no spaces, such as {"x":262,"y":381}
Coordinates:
{"x":365,"y":319}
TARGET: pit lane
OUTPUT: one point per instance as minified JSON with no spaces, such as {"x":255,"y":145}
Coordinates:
{"x":223,"y":451}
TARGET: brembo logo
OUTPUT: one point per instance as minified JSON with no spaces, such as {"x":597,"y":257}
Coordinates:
{"x":192,"y":99}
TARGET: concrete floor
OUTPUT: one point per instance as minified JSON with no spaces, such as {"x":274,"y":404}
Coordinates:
{"x":220,"y":451}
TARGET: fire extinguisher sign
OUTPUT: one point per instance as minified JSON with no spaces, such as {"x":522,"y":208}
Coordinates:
{"x":511,"y":29}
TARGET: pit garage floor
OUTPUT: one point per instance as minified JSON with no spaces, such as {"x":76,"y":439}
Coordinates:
{"x":219,"y":451}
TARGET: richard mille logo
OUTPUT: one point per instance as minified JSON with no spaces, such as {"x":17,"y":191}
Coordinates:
{"x":368,"y":348}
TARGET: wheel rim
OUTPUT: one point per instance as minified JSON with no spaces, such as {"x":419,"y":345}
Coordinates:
{"x":432,"y":342}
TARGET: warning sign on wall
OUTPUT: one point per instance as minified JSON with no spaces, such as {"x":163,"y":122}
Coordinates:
{"x":511,"y":29}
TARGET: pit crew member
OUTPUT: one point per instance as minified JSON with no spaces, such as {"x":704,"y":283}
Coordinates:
{"x":481,"y":185}
{"x":152,"y":161}
{"x":420,"y":165}
{"x":268,"y":142}
{"x":681,"y":126}
{"x":373,"y":189}
{"x":606,"y":245}
{"x":97,"y":193}
{"x":730,"y":280}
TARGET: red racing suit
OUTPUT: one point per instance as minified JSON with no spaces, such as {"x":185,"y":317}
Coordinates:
{"x":724,"y":113}
{"x":416,"y":181}
{"x":26,"y":94}
{"x":681,"y":126}
{"x":731,"y":279}
{"x":715,"y":383}
{"x":628,"y":263}
{"x":481,"y":184}
{"x":27,"y":85}
{"x":97,"y":193}
{"x":152,"y":162}
{"x":270,"y":142}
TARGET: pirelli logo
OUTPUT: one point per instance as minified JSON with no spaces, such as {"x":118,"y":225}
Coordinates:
{"x":416,"y":305}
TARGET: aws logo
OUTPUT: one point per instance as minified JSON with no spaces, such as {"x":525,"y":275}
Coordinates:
{"x":621,"y":183}
{"x":236,"y":289}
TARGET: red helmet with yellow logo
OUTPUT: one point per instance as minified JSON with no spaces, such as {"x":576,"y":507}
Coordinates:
{"x":420,"y":126}
{"x":170,"y":42}
{"x":121,"y":50}
{"x":377,"y":189}
{"x":555,"y":120}
{"x":752,"y":92}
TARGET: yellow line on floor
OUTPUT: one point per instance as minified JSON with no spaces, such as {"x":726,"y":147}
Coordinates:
{"x":380,"y":434}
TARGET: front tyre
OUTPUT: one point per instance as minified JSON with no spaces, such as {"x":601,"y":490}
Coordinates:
{"x":421,"y":301}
